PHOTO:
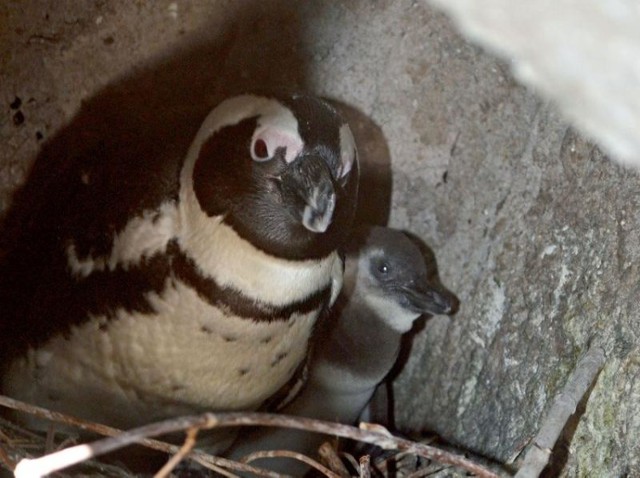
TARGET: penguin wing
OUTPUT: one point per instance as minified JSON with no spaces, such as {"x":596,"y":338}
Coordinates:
{"x":85,"y":188}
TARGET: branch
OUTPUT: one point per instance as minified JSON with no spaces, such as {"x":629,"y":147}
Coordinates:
{"x":6,"y":459}
{"x":189,"y":443}
{"x":365,"y":470}
{"x":39,"y":467}
{"x":563,"y":407}
{"x":293,"y":455}
{"x":212,"y":462}
{"x":331,"y":458}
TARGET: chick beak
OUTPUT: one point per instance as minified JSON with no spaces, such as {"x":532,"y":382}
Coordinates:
{"x":310,"y":183}
{"x":428,"y":299}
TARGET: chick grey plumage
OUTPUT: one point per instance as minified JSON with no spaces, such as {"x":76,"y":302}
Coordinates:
{"x":202,"y":291}
{"x":386,"y":287}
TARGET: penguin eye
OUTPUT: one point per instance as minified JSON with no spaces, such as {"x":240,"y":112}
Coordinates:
{"x":259,"y":150}
{"x":383,"y":268}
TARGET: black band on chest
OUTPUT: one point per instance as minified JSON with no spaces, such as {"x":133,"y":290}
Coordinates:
{"x":236,"y":302}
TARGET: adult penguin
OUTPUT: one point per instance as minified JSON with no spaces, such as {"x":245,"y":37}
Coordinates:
{"x":169,"y":288}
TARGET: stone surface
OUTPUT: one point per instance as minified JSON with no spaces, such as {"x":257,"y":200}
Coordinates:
{"x":535,"y":230}
{"x":582,"y":55}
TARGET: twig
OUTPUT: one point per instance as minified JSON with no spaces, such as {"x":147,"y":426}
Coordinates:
{"x":290,"y":454}
{"x":67,"y":442}
{"x":427,"y":471}
{"x":212,"y":462}
{"x":365,"y":471}
{"x":73,"y":421}
{"x":50,"y":463}
{"x":382,"y":462}
{"x":25,"y":434}
{"x":228,"y":474}
{"x":564,"y":405}
{"x":187,"y":446}
{"x":5,"y":438}
{"x":6,"y":459}
{"x":349,"y":457}
{"x":331,"y":458}
{"x":49,"y":444}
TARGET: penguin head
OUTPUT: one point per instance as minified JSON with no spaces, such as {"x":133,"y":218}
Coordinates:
{"x":282,"y":171}
{"x":391,"y":277}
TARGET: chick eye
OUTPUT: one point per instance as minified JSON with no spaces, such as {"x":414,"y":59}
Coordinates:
{"x":259,"y":150}
{"x":383,"y":268}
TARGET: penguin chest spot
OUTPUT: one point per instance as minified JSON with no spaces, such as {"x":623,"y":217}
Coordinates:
{"x":189,"y":356}
{"x":222,"y":361}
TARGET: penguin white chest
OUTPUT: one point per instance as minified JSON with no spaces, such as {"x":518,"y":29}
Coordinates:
{"x":188,"y":356}
{"x":198,"y":286}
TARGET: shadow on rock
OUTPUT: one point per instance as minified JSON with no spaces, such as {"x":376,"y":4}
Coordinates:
{"x":374,"y":199}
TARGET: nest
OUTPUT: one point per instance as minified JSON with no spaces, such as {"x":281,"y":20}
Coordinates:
{"x":376,"y":453}
{"x":397,"y":457}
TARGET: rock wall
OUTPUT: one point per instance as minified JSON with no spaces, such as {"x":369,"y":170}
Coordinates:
{"x":581,"y":55}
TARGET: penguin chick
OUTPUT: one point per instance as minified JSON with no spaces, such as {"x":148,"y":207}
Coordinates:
{"x":386,"y":288}
{"x":199,"y":293}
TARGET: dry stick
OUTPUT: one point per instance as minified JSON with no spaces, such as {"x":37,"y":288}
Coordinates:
{"x":349,"y":457}
{"x":47,"y":464}
{"x":6,"y":459}
{"x":187,"y":446}
{"x":426,"y":471}
{"x":331,"y":458}
{"x":290,"y":454}
{"x":564,"y":405}
{"x":49,"y":444}
{"x":25,"y":435}
{"x":57,"y":417}
{"x":228,"y":474}
{"x":206,"y":460}
{"x":382,"y":463}
{"x":365,"y":471}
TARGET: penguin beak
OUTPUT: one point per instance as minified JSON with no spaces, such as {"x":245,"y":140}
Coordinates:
{"x":428,"y":299}
{"x":308,"y":185}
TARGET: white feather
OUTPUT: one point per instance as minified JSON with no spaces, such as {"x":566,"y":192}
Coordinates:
{"x":143,"y":236}
{"x":347,"y":149}
{"x":222,"y":254}
{"x":231,"y":112}
{"x":184,"y":352}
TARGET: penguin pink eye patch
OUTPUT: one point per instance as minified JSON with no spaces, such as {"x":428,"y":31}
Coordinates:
{"x":268,"y":139}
